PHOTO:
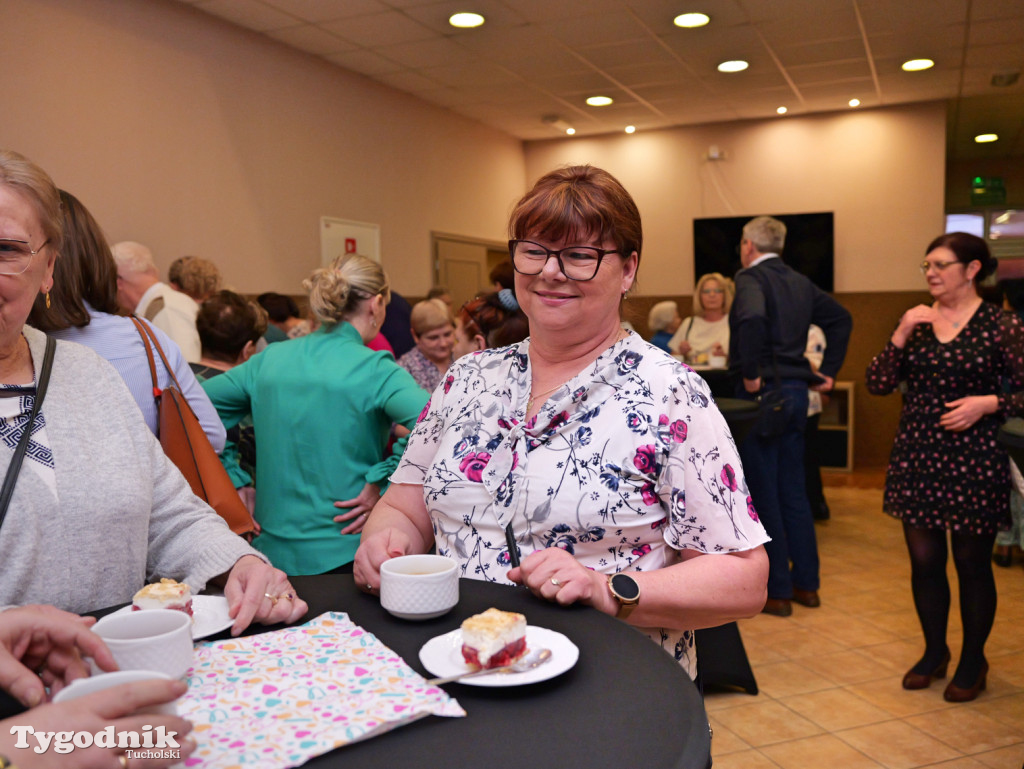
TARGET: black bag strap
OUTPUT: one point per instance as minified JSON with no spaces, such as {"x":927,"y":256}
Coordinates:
{"x":19,"y":453}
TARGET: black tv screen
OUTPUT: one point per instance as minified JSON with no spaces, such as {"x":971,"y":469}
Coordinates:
{"x":809,"y":245}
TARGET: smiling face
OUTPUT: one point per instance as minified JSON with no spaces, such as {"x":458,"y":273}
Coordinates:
{"x":19,"y":220}
{"x":712,"y":296}
{"x":576,"y":308}
{"x":436,"y":344}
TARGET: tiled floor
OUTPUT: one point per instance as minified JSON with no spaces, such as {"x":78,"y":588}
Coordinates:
{"x":830,"y":677}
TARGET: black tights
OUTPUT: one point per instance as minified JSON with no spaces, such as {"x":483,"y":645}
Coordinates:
{"x":972,"y":556}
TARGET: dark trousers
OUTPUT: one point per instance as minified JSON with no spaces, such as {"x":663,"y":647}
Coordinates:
{"x":774,"y":469}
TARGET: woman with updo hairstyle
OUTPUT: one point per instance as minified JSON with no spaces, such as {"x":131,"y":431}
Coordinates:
{"x":322,"y":406}
{"x":491,"y":320}
{"x":433,"y":332}
{"x":959,"y":363}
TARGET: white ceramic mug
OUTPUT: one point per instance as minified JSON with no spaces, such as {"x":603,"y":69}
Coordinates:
{"x":419,"y":586}
{"x":158,"y":640}
{"x":717,"y":361}
{"x":101,"y":681}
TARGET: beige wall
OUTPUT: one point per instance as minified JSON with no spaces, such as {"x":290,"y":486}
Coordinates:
{"x":881,"y":172}
{"x":196,"y":137}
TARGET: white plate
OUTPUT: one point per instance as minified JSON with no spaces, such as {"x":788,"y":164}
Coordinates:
{"x":442,"y":656}
{"x":209,"y":615}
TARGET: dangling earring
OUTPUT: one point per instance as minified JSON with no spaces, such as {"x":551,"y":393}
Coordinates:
{"x":47,"y":300}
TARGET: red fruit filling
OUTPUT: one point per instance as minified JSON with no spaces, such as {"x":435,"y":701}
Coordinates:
{"x":506,"y":656}
{"x":187,"y":608}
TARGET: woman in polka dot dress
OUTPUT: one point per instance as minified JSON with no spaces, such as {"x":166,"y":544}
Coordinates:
{"x":956,"y":358}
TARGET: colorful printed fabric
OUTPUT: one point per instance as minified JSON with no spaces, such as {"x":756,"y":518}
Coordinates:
{"x":423,"y":370}
{"x":943,"y":479}
{"x":279,"y":699}
{"x":625,"y":465}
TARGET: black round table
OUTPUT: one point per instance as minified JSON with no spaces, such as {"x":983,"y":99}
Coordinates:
{"x":625,"y":702}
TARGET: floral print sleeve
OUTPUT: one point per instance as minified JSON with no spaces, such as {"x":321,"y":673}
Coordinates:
{"x":883,"y":374}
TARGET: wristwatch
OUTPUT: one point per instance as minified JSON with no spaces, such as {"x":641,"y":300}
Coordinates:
{"x":626,"y":591}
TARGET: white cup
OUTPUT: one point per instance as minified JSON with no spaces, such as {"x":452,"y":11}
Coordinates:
{"x":717,"y":361}
{"x":419,"y":586}
{"x":101,"y":681}
{"x":158,"y":640}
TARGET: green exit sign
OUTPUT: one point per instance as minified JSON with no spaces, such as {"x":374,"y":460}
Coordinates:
{"x":988,"y":191}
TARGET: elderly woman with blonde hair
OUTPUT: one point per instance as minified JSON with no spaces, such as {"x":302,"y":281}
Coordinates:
{"x":434,"y":334}
{"x":195,"y":277}
{"x":705,"y":334}
{"x":322,"y":406}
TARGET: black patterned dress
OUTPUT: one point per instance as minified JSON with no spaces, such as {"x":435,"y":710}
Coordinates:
{"x":938,"y":478}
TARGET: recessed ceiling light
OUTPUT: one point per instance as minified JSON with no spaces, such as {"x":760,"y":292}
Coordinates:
{"x":465,"y":20}
{"x":854,"y":102}
{"x":782,"y":110}
{"x":631,"y":129}
{"x":570,"y":131}
{"x":985,"y":138}
{"x":599,"y":101}
{"x":733,"y":66}
{"x":691,"y":20}
{"x":916,"y":65}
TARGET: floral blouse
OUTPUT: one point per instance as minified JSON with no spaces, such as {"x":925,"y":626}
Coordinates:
{"x":625,"y":465}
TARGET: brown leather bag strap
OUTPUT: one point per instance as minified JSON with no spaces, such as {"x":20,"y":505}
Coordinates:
{"x":147,"y":331}
{"x":149,"y":354}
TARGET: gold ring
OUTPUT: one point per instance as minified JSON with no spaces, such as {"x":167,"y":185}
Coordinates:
{"x":273,"y":598}
{"x":555,"y":582}
{"x":122,"y":759}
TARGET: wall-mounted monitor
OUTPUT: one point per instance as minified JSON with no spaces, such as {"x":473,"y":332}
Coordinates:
{"x":810,"y":245}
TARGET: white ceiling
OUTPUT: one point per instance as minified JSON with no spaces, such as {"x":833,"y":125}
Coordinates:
{"x":537,"y":58}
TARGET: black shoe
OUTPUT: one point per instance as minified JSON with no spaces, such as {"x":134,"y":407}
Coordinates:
{"x":822,"y":513}
{"x":1003,"y":556}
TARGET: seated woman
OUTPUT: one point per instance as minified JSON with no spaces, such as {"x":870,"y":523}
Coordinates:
{"x":195,"y":277}
{"x":285,"y":321}
{"x":229,"y":329}
{"x":97,"y":508}
{"x":433,"y":332}
{"x":601,"y":456}
{"x":663,"y":320}
{"x":83,"y":308}
{"x":322,"y":406}
{"x":706,"y":333}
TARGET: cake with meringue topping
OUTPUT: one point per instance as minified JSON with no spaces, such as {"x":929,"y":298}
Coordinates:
{"x":165,"y":594}
{"x":493,"y":639}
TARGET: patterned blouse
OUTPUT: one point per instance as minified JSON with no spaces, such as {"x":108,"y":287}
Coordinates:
{"x":423,"y":370}
{"x":625,"y":465}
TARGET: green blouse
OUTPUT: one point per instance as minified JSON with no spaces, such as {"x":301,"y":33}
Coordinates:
{"x":322,"y":406}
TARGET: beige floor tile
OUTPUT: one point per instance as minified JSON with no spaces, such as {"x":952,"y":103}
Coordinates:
{"x":898,"y":745}
{"x":766,"y":723}
{"x":1004,"y":758}
{"x":822,"y":752}
{"x":967,"y":730}
{"x":899,"y":621}
{"x":856,"y":632}
{"x":837,"y":709}
{"x":1009,"y":667}
{"x":889,"y":694}
{"x":782,"y":679}
{"x":849,"y":667}
{"x":725,"y":740}
{"x":895,"y":657}
{"x":748,"y":759}
{"x":796,"y":642}
{"x":714,"y":701}
{"x":1007,"y":710}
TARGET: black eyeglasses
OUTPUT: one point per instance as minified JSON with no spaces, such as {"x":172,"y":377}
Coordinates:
{"x":575,"y":262}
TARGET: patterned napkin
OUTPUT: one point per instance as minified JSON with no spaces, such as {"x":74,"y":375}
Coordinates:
{"x":278,"y":699}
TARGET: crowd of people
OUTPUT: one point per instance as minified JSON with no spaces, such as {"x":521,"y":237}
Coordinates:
{"x":477,"y":432}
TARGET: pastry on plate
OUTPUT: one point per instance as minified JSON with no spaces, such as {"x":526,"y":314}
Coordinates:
{"x":165,"y":594}
{"x":493,"y":639}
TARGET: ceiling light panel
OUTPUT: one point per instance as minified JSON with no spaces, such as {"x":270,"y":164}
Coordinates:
{"x":691,"y":20}
{"x":466,"y":20}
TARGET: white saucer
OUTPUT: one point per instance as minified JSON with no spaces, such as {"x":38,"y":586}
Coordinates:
{"x":209,"y":615}
{"x":442,"y":656}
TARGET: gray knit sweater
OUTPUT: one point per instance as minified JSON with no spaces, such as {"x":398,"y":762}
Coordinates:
{"x":124,"y":514}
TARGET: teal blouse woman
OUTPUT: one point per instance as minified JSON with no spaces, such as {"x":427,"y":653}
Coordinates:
{"x":322,"y":406}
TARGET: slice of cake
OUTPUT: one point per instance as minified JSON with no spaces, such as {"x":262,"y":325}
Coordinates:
{"x":165,"y":594}
{"x":493,"y":639}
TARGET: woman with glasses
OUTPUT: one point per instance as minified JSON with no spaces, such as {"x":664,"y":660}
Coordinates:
{"x":946,"y":472}
{"x":581,"y":462}
{"x":705,"y":334}
{"x":322,"y":406}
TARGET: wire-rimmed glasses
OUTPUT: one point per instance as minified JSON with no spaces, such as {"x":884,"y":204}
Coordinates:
{"x":939,"y":266}
{"x":576,"y":262}
{"x":16,"y":255}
